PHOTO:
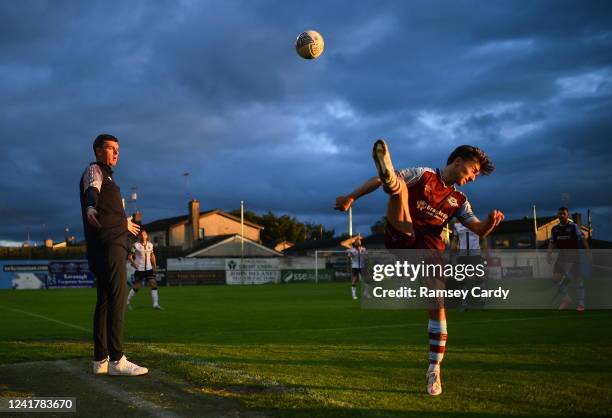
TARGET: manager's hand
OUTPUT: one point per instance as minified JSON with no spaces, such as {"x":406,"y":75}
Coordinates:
{"x":92,"y":217}
{"x":134,"y":228}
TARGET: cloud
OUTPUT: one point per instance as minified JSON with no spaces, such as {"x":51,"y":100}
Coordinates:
{"x":217,"y":90}
{"x":590,"y":84}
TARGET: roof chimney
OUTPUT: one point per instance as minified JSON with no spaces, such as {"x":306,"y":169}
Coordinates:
{"x":194,"y":216}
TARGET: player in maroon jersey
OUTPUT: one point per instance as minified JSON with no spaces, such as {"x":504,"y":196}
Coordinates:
{"x":566,"y":237}
{"x":421,"y":202}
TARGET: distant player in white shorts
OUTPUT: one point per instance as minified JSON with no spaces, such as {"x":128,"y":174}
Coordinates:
{"x":468,"y":251}
{"x":142,"y":258}
{"x":357,"y":255}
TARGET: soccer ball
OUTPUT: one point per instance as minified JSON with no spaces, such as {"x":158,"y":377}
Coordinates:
{"x":309,"y":45}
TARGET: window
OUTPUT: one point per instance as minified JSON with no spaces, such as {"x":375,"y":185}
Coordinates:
{"x":201,"y":233}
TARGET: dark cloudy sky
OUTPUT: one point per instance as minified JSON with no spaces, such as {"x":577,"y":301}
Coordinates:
{"x":215,"y":88}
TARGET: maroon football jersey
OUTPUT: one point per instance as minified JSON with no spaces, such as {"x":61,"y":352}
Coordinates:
{"x":432,"y":204}
{"x":566,"y":236}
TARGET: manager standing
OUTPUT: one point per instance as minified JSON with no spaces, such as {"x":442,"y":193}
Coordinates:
{"x":106,"y":233}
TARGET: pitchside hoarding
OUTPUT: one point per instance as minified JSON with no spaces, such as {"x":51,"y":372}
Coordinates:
{"x":70,"y":274}
{"x":252,"y":270}
{"x":307,"y":275}
{"x":195,"y":271}
{"x":45,"y":274}
{"x":195,"y":264}
{"x":23,"y":274}
{"x":184,"y":271}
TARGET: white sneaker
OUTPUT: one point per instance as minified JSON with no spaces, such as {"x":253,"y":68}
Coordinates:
{"x":382,"y":160}
{"x":158,"y":307}
{"x":100,"y":367}
{"x":355,"y":297}
{"x":434,"y":384}
{"x":123,"y":367}
{"x":129,"y":306}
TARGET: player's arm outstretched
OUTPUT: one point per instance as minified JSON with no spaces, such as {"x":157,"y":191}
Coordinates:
{"x":343,"y":203}
{"x":484,"y":228}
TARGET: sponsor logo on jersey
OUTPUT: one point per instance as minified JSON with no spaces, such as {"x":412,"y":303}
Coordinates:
{"x":452,"y":201}
{"x":431,"y":211}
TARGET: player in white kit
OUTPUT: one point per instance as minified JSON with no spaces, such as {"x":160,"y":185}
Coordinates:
{"x":142,"y":258}
{"x":357,"y":255}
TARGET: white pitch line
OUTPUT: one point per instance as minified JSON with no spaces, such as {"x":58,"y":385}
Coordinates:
{"x":154,"y":409}
{"x":117,"y":393}
{"x":57,"y":321}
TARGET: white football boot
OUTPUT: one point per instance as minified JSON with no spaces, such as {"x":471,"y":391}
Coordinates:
{"x":123,"y":367}
{"x":100,"y":367}
{"x":384,"y":166}
{"x":434,"y":384}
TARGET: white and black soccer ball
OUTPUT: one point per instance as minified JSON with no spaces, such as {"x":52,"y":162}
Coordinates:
{"x":309,"y":44}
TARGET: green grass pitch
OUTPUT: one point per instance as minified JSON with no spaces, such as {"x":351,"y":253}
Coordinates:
{"x":305,"y":350}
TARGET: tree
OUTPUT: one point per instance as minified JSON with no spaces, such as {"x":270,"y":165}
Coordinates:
{"x":285,"y":228}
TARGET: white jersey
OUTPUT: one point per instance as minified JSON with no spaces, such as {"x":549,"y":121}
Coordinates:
{"x":468,"y":241}
{"x":357,"y":257}
{"x":142,"y":255}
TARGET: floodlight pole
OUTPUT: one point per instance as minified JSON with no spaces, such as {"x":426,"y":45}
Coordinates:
{"x":351,"y":222}
{"x":242,"y":241}
{"x":316,"y":266}
{"x":535,"y":240}
{"x":242,"y":228}
{"x":535,"y":226}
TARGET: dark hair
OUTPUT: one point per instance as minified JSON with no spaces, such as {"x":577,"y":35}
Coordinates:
{"x":99,"y":141}
{"x":563,"y":208}
{"x":468,"y":152}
